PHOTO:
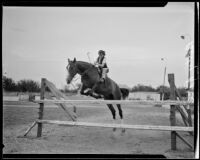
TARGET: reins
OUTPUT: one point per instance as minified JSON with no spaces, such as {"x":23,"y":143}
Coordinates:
{"x":85,"y":70}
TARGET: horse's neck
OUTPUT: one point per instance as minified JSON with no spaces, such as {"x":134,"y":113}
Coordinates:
{"x":82,"y":67}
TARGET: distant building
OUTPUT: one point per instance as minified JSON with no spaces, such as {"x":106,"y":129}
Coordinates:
{"x":144,"y":96}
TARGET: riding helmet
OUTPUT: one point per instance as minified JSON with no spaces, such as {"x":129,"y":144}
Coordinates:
{"x":102,"y":52}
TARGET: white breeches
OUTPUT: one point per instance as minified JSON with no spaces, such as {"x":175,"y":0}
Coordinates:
{"x":104,"y":72}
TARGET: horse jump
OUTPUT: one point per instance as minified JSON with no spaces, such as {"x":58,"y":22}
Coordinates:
{"x":173,"y":105}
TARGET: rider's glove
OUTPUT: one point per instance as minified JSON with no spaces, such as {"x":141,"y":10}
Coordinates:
{"x":96,"y":64}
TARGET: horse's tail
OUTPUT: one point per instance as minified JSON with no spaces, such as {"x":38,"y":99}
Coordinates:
{"x":125,"y":92}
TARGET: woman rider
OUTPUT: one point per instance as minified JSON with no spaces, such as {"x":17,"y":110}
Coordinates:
{"x":101,"y":63}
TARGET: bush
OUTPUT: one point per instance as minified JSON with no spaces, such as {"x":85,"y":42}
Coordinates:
{"x":21,"y":86}
{"x":28,"y":86}
{"x":159,"y":89}
{"x":183,"y":92}
{"x":140,"y":87}
{"x":9,"y":84}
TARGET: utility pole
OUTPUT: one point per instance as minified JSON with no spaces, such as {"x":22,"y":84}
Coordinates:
{"x":163,"y":81}
{"x":163,"y":84}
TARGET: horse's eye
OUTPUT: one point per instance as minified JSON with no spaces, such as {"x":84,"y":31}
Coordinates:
{"x":70,"y":69}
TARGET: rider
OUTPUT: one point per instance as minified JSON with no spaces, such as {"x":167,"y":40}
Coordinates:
{"x":101,"y":63}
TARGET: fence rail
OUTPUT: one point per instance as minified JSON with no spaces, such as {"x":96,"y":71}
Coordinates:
{"x":143,"y":102}
{"x":127,"y":126}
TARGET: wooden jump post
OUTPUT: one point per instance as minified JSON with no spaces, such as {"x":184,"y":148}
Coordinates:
{"x":174,"y":104}
{"x":45,"y":83}
{"x":187,"y":119}
{"x":172,"y":110}
{"x":41,"y":108}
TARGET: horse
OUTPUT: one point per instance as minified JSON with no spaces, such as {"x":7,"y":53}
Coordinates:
{"x":90,"y":78}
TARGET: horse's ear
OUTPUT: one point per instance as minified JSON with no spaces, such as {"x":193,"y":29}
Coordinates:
{"x":68,"y":60}
{"x":74,"y":59}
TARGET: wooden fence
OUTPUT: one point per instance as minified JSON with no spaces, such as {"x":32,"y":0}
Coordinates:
{"x":175,"y":105}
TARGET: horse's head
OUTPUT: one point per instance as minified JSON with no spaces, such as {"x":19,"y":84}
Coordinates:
{"x":72,"y":70}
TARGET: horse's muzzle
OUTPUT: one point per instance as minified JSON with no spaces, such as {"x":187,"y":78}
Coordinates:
{"x":68,"y":81}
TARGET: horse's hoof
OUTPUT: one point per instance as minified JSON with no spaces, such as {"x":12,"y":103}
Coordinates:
{"x":123,"y":131}
{"x":114,"y":129}
{"x":90,"y":93}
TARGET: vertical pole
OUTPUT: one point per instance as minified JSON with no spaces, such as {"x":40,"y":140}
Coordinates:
{"x":163,"y":84}
{"x":172,"y":110}
{"x":41,"y":108}
{"x":189,"y":59}
{"x":189,"y":117}
{"x":188,"y":107}
{"x":74,"y":109}
{"x":173,"y":123}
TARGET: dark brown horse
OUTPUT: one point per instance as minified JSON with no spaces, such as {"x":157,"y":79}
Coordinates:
{"x":90,"y":77}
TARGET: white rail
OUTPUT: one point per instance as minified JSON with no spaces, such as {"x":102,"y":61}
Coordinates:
{"x":143,"y":102}
{"x":128,"y":126}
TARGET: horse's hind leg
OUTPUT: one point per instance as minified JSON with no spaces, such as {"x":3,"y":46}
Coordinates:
{"x":121,"y":115}
{"x":110,"y":106}
{"x":120,"y":111}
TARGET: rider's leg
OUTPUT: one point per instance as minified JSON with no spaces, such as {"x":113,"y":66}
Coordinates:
{"x":101,"y":73}
{"x":103,"y":76}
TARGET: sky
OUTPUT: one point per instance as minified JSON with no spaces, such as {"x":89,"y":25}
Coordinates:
{"x":37,"y":41}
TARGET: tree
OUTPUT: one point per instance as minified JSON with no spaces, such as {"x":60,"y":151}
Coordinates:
{"x":28,"y":86}
{"x":160,"y":88}
{"x":140,"y":87}
{"x":182,"y":91}
{"x":9,"y":84}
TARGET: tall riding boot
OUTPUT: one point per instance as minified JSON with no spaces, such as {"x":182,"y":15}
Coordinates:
{"x":102,"y":78}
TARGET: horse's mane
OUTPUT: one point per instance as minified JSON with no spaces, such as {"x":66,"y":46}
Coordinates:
{"x":85,"y":63}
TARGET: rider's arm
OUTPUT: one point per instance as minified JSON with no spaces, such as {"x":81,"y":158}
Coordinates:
{"x":103,"y":63}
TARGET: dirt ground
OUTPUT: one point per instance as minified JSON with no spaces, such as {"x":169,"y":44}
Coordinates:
{"x":58,"y":139}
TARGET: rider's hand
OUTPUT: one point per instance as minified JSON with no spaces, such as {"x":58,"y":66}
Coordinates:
{"x":96,"y":64}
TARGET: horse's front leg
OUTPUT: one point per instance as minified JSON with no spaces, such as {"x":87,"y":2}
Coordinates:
{"x":91,"y":92}
{"x":86,"y":91}
{"x":82,"y":91}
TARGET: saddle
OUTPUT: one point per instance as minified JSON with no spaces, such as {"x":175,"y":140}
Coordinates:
{"x":100,"y":70}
